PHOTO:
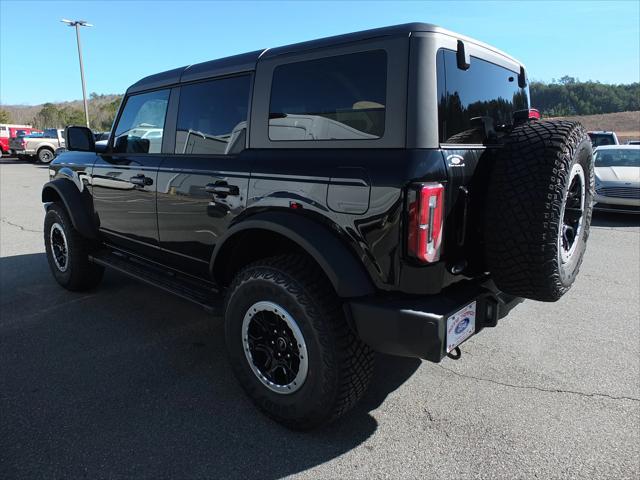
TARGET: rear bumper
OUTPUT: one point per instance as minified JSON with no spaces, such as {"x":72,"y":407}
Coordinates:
{"x":617,"y":208}
{"x":412,"y":326}
{"x":602,"y":200}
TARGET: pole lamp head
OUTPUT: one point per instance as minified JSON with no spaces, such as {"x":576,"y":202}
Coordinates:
{"x":73,"y":23}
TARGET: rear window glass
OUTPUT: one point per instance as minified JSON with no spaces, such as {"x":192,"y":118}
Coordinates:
{"x":476,"y":106}
{"x":334,"y":98}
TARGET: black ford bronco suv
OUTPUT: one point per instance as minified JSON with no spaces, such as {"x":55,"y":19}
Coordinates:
{"x":389,"y":190}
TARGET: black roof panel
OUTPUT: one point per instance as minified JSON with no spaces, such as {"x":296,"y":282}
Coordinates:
{"x":157,"y":80}
{"x":247,"y":61}
{"x":224,"y":66}
{"x":395,"y":30}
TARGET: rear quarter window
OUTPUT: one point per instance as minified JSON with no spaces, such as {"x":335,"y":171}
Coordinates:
{"x":334,"y":98}
{"x":476,"y":106}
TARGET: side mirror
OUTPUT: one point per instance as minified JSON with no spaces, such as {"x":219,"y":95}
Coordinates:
{"x":79,"y":139}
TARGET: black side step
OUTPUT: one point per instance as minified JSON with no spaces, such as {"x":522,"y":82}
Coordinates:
{"x":183,"y":286}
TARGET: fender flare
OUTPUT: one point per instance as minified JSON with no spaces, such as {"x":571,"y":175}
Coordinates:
{"x":78,"y":208}
{"x":345,"y":272}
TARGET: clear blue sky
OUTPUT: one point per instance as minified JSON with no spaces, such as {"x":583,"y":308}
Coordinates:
{"x":597,"y":40}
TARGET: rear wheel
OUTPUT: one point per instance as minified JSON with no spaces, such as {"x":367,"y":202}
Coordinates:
{"x":68,"y":252}
{"x":539,"y":208}
{"x":290,"y":346}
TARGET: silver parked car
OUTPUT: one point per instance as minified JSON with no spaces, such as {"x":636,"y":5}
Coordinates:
{"x":618,"y":178}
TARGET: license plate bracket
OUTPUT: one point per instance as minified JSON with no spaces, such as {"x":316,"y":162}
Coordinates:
{"x":461,"y":325}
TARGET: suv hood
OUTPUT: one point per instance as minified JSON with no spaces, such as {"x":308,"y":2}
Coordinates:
{"x":618,"y":174}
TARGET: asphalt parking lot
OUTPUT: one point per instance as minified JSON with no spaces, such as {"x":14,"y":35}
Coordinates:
{"x":127,"y":381}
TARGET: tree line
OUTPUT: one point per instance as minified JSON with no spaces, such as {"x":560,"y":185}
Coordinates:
{"x":102,"y":111}
{"x":559,"y":98}
{"x":569,"y":97}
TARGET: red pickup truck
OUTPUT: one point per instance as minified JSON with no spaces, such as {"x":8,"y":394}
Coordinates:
{"x":9,"y":131}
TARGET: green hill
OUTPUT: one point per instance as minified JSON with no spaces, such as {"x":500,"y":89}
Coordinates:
{"x":102,"y":110}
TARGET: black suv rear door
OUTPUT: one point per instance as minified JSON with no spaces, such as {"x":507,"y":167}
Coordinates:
{"x":125,"y":177}
{"x":202,"y":185}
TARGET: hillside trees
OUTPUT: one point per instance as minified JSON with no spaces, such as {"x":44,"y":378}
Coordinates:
{"x":102,"y":110}
{"x":568,"y":96}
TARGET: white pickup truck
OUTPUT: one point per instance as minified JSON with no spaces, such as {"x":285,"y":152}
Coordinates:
{"x":38,"y":146}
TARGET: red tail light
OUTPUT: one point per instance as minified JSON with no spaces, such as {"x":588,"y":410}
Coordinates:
{"x":426,"y":218}
{"x":522,"y":116}
{"x":535,"y":114}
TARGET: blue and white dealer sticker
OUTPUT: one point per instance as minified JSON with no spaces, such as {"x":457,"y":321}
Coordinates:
{"x":461,"y":326}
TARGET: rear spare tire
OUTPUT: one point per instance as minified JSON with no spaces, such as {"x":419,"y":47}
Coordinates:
{"x":539,"y":207}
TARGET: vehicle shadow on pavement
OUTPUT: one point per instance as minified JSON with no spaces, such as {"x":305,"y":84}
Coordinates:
{"x":16,"y":161}
{"x":614,"y":219}
{"x":12,"y":161}
{"x":128,"y":381}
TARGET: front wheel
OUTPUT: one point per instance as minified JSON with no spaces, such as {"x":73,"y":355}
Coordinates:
{"x":290,"y":346}
{"x":68,"y":252}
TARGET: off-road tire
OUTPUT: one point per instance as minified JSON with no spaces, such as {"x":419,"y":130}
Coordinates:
{"x":526,"y":200}
{"x":340,"y":365}
{"x":80,"y":274}
{"x":45,"y":155}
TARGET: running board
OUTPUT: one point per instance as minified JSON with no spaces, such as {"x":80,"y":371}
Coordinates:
{"x":183,"y":286}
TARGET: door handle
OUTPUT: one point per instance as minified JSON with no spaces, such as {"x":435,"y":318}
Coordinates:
{"x":141,"y":180}
{"x":222,"y":188}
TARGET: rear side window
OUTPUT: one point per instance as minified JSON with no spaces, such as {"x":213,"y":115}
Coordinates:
{"x":141,"y":124}
{"x":212,"y":116}
{"x":334,"y":98}
{"x":476,"y":106}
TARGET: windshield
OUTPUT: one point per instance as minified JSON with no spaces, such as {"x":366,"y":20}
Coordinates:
{"x":618,"y":158}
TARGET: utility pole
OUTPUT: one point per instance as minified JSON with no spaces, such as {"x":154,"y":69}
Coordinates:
{"x":77,"y":24}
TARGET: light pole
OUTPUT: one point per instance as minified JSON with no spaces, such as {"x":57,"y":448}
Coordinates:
{"x":78,"y":24}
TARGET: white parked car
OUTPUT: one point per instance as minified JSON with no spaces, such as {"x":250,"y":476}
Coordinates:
{"x":618,"y":178}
